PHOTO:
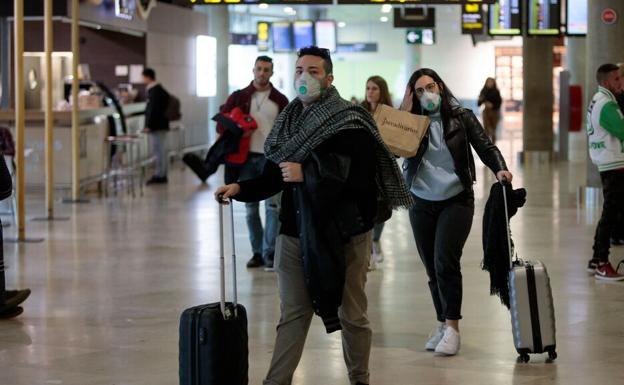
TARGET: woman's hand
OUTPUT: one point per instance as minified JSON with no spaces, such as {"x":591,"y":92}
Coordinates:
{"x":408,"y":100}
{"x":291,"y":172}
{"x":224,"y":193}
{"x":504,"y":176}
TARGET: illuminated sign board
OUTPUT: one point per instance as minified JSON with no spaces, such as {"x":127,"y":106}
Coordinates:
{"x":505,"y":18}
{"x":472,"y":19}
{"x":252,"y":2}
{"x":423,"y":2}
{"x":262,"y":41}
{"x":303,"y":33}
{"x":325,"y":31}
{"x":576,"y":17}
{"x":544,"y":17}
{"x":281,"y":33}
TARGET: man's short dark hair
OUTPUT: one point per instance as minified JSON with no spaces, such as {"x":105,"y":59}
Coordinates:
{"x":265,"y":59}
{"x":604,"y":71}
{"x":149,"y":73}
{"x":323,"y":53}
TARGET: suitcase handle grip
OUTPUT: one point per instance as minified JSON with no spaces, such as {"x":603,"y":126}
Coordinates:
{"x":226,"y":312}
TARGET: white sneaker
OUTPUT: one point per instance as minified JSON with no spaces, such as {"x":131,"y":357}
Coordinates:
{"x":372,"y":263}
{"x":449,"y":345}
{"x":378,"y":254}
{"x":435,"y":337}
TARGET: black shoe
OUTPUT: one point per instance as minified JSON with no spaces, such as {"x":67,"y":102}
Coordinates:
{"x":268,"y":264}
{"x":361,"y":383}
{"x":158,"y":180}
{"x":255,"y":261}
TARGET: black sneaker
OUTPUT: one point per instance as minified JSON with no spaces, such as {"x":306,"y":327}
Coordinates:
{"x":255,"y":261}
{"x":157,"y":180}
{"x":592,"y":266}
{"x":268,"y":264}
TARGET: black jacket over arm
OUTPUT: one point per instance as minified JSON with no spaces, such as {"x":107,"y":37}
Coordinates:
{"x":157,"y":101}
{"x":6,"y":182}
{"x":336,"y":201}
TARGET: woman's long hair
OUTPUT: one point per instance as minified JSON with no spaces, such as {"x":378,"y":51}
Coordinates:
{"x":486,"y":88}
{"x":384,"y":93}
{"x":449,"y":101}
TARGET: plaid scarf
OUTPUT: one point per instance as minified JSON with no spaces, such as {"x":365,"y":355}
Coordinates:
{"x":298,"y":130}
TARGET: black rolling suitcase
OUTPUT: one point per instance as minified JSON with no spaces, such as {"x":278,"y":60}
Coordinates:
{"x":213,"y":337}
{"x":532,"y":306}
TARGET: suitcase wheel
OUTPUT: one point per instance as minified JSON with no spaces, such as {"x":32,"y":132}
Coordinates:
{"x":552,"y":355}
{"x":523,"y":358}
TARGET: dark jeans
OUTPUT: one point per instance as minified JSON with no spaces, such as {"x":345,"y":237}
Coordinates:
{"x":440,"y":230}
{"x":613,"y":191}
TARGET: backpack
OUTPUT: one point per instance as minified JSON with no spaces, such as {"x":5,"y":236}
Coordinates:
{"x":172,"y":113}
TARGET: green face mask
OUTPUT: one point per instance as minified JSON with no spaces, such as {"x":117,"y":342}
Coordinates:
{"x":430,"y":101}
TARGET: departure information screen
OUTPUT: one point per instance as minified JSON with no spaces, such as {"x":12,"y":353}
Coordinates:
{"x":447,"y":2}
{"x":576,"y":17}
{"x":544,"y":17}
{"x":234,"y":2}
{"x":303,"y":32}
{"x":505,"y":18}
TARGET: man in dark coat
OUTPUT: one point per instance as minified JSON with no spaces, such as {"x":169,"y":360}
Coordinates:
{"x":327,"y":158}
{"x":157,"y":124}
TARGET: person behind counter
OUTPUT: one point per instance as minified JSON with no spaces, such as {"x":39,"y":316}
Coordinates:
{"x":156,"y":124}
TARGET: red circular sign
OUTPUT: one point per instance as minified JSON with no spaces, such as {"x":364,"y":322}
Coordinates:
{"x":609,"y":16}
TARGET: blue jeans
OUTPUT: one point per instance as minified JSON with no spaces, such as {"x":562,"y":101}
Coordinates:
{"x":159,"y":149}
{"x":262,"y":239}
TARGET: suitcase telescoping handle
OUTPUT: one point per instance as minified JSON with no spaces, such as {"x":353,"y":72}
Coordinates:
{"x":227,"y":313}
{"x":504,"y":183}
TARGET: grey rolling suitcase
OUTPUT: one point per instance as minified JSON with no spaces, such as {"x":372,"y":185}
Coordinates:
{"x":532,"y":308}
{"x":213,"y":337}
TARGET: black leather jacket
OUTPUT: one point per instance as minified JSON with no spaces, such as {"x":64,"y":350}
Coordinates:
{"x":462,"y":131}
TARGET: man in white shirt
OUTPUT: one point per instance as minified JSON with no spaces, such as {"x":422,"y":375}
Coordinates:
{"x":263,"y":102}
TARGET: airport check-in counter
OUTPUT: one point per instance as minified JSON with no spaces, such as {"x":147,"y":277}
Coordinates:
{"x":94,"y":129}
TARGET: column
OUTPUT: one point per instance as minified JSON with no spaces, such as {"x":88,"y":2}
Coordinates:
{"x":537,"y":131}
{"x":219,"y":27}
{"x":604,"y":45}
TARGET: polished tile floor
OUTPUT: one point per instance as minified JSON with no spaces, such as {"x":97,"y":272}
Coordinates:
{"x":110,"y":283}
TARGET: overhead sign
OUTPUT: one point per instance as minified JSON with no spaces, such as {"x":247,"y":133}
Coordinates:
{"x":419,"y":17}
{"x":262,"y":40}
{"x":424,"y":2}
{"x":472,"y":19}
{"x":544,"y":17}
{"x":325,"y":34}
{"x":248,"y":2}
{"x":420,"y":36}
{"x":357,"y":47}
{"x":576,"y":17}
{"x":505,"y":18}
{"x":609,"y":16}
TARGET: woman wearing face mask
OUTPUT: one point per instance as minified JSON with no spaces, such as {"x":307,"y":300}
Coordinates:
{"x":376,"y":93}
{"x":440,"y":178}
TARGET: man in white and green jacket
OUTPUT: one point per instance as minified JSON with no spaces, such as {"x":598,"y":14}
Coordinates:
{"x":605,"y":128}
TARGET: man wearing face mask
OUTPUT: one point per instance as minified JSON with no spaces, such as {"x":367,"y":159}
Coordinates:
{"x":319,"y":157}
{"x":263,"y":102}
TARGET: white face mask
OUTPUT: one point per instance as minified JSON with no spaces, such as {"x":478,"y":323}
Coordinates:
{"x":430,"y":101}
{"x":308,"y":88}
